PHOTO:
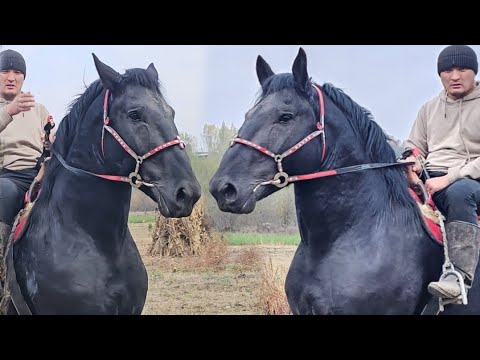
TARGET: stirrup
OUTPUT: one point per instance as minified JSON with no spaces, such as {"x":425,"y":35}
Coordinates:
{"x":459,"y":300}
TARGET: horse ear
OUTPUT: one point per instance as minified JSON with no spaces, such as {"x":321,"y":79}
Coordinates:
{"x":299,"y":70}
{"x":109,"y":77}
{"x":264,"y":71}
{"x":152,"y":71}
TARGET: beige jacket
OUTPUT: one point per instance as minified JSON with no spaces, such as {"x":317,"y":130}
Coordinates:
{"x":21,"y":136}
{"x":447,"y":132}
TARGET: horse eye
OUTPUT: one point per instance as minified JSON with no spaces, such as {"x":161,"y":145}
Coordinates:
{"x":134,"y":115}
{"x":284,"y":118}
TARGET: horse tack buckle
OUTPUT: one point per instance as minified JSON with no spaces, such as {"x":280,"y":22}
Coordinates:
{"x":135,"y":179}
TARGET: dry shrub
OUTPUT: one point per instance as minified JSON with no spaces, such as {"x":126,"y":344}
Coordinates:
{"x":191,"y":238}
{"x":273,"y":300}
{"x":213,"y":255}
{"x":249,"y":258}
{"x":180,"y":237}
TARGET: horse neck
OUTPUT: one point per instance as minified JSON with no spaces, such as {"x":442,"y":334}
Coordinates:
{"x":332,"y":205}
{"x":348,"y":198}
{"x":93,"y":202}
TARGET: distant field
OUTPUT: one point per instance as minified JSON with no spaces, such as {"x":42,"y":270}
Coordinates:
{"x":141,"y":218}
{"x":233,"y":238}
{"x":261,"y":239}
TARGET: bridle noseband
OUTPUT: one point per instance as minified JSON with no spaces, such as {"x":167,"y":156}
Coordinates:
{"x":134,"y":178}
{"x":282,"y":179}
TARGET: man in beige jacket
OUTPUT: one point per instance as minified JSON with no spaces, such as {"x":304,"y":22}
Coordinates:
{"x":447,"y":133}
{"x":22,"y":122}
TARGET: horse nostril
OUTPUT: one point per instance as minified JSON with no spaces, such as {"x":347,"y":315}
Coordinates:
{"x":229,"y":192}
{"x":182,"y":194}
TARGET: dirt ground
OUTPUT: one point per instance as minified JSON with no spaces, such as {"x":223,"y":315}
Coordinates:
{"x":176,"y":288}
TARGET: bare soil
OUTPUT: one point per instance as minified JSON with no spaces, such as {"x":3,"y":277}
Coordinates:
{"x":175,"y":287}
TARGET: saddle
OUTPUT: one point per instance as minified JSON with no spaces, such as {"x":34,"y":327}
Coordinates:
{"x":11,"y":290}
{"x":431,"y":215}
{"x":30,"y":197}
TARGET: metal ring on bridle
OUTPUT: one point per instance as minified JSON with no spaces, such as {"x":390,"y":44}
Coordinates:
{"x":278,"y":158}
{"x":135,"y":180}
{"x":282,"y":177}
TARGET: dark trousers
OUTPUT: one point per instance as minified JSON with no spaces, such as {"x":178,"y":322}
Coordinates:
{"x":13,"y":186}
{"x":460,"y":200}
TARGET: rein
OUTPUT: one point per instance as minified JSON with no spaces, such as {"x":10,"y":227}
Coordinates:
{"x":282,"y":179}
{"x":134,"y":178}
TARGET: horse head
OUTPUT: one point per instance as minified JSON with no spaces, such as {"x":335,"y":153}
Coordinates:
{"x":354,"y":247}
{"x":128,"y":134}
{"x":283,"y":126}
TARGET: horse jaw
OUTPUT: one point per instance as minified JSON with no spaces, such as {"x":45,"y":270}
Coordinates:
{"x":168,"y":207}
{"x":243,"y":203}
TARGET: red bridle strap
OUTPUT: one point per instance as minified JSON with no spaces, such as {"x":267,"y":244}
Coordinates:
{"x":278,"y":158}
{"x":322,"y":120}
{"x":282,"y":179}
{"x":134,"y":177}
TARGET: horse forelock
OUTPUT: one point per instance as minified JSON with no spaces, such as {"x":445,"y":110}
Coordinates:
{"x":141,"y":77}
{"x":278,"y":83}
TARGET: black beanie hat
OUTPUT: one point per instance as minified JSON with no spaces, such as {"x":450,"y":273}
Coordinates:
{"x":12,"y":60}
{"x":460,"y":56}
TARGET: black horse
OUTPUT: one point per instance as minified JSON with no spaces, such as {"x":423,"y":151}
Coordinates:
{"x":363,"y":248}
{"x":76,"y":255}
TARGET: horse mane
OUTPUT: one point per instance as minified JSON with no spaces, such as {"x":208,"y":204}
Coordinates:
{"x":76,"y":111}
{"x":69,"y":128}
{"x":375,"y":140}
{"x":361,"y":121}
{"x":364,"y":125}
{"x":78,"y":107}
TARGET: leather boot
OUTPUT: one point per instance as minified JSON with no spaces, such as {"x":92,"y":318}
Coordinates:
{"x":463,"y":241}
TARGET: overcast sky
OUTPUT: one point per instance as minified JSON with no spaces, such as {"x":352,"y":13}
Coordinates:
{"x":215,"y":83}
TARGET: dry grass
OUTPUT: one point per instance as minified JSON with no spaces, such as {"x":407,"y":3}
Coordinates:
{"x":214,"y":254}
{"x":191,"y":239}
{"x":178,"y":285}
{"x":249,"y":258}
{"x":180,"y":237}
{"x":273,"y":300}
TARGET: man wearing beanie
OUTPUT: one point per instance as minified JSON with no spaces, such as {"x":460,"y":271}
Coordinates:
{"x":447,"y":134}
{"x":22,"y":122}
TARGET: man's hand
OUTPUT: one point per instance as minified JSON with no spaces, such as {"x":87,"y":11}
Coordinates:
{"x":417,"y":168}
{"x":22,"y":102}
{"x":436,"y":184}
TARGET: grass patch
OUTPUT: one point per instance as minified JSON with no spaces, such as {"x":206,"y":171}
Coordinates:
{"x":261,"y":239}
{"x":140,"y":218}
